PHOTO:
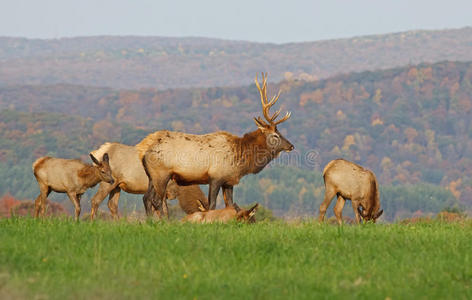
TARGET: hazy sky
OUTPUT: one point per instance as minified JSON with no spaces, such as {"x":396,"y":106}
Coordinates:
{"x":265,"y":21}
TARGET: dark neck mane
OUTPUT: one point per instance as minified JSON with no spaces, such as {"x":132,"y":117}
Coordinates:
{"x":252,"y":152}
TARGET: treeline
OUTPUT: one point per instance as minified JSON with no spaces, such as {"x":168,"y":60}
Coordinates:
{"x":143,"y":62}
{"x":409,"y":125}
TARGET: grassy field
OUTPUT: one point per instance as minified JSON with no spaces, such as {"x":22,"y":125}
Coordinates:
{"x":57,"y":259}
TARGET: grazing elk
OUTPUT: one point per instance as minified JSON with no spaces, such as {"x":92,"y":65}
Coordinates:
{"x":219,"y":159}
{"x":129,"y":175}
{"x":348,"y":180}
{"x":69,"y":176}
{"x":227,"y":214}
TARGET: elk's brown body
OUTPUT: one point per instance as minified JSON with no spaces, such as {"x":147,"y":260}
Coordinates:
{"x":347,"y":180}
{"x":227,"y":214}
{"x":219,"y":159}
{"x":70,"y":176}
{"x":129,"y":175}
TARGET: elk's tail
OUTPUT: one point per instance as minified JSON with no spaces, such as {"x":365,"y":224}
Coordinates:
{"x":38,"y":163}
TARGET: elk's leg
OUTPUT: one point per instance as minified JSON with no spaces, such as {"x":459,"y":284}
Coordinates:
{"x":79,"y":197}
{"x":103,"y":190}
{"x":150,"y":208}
{"x":159,"y":184}
{"x":113,"y":202}
{"x":44,"y":201}
{"x":338,"y":209}
{"x":37,"y":205}
{"x":165,"y":209}
{"x":40,"y":202}
{"x":150,"y":193}
{"x":228,"y":195}
{"x":158,"y":177}
{"x":213,"y":190}
{"x":328,"y":197}
{"x":76,"y":201}
{"x":355,"y":206}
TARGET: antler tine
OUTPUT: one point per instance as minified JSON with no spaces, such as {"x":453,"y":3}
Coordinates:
{"x":266,"y":105}
{"x":259,"y":119}
{"x":271,"y":103}
{"x":275,"y":98}
{"x":264,"y":87}
{"x":285,"y":118}
{"x":262,"y":91}
{"x":275,"y":115}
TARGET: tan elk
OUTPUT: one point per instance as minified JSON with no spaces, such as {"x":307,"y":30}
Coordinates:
{"x":129,"y":175}
{"x":70,"y":176}
{"x":219,"y":159}
{"x":347,"y":180}
{"x":224,"y":215}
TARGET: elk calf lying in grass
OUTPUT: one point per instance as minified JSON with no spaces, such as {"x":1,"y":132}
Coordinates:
{"x":350,"y":181}
{"x":232,"y":212}
{"x":69,"y":176}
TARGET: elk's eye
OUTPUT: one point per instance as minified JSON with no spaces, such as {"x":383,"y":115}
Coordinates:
{"x":273,"y":140}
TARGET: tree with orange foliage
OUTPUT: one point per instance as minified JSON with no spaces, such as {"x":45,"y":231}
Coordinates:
{"x":7,"y":202}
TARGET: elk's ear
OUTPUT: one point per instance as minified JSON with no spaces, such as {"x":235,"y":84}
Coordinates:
{"x":95,"y":161}
{"x":200,"y":205}
{"x":259,"y":123}
{"x":252,"y":210}
{"x":105,"y":158}
{"x":378,"y":214}
{"x":236,"y":207}
{"x":361,"y":212}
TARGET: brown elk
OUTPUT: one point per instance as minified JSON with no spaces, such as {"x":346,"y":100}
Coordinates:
{"x":348,"y":180}
{"x":219,"y":159}
{"x":129,"y":175}
{"x":227,"y":214}
{"x":70,"y":176}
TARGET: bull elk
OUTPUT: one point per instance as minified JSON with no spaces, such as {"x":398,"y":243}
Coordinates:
{"x":218,"y":159}
{"x":129,"y":175}
{"x":70,"y":176}
{"x":348,"y":180}
{"x":227,"y":214}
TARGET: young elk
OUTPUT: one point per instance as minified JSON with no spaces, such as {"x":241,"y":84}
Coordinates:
{"x":129,"y":176}
{"x":219,"y":159}
{"x":350,"y":181}
{"x":69,"y":176}
{"x":225,"y":215}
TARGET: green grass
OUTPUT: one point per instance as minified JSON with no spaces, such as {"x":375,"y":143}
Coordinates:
{"x":59,"y":259}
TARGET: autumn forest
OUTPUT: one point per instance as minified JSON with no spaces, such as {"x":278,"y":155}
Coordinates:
{"x":409,"y":123}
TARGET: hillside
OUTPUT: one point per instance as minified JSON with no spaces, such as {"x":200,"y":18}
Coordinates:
{"x":25,"y":137}
{"x":131,"y":62}
{"x":410,"y":125}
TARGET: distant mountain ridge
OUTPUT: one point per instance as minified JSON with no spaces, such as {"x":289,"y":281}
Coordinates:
{"x":132,"y":62}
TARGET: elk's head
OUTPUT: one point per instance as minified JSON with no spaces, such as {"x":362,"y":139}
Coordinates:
{"x":172,"y":190}
{"x":274,"y":139}
{"x":103,"y":167}
{"x":245,"y":215}
{"x":369,"y":215}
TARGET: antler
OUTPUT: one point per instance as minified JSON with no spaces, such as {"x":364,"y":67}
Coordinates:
{"x":266,"y":105}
